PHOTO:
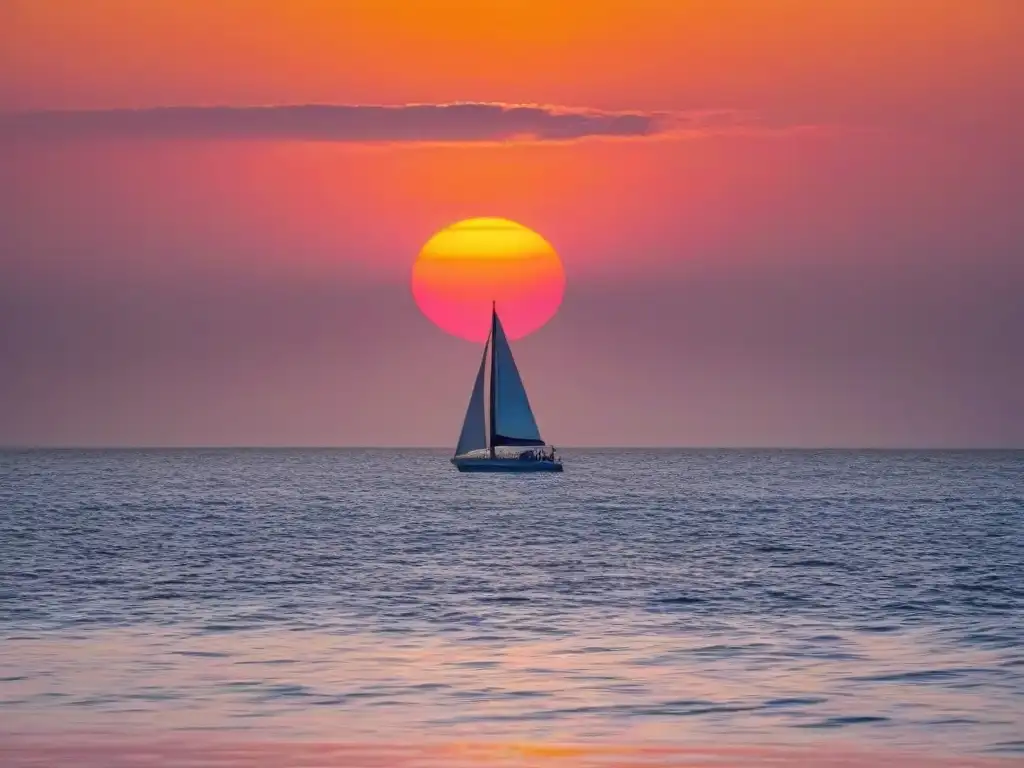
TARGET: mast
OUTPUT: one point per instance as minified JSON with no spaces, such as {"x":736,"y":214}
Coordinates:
{"x":492,"y":420}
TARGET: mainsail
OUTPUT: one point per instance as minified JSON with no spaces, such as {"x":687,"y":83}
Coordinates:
{"x":512,"y":421}
{"x":474,"y":428}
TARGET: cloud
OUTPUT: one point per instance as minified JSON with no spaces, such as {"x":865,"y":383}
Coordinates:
{"x":415,"y":123}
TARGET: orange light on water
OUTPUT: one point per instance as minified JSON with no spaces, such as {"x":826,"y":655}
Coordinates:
{"x":466,"y":266}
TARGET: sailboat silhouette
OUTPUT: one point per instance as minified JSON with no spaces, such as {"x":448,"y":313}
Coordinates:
{"x":490,"y":436}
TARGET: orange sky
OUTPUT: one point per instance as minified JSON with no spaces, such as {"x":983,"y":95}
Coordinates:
{"x":839,"y":271}
{"x":652,"y":54}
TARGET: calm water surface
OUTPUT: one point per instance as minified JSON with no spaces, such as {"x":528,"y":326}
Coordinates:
{"x":303,"y":607}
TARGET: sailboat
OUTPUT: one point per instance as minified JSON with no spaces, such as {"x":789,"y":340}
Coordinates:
{"x":506,"y":437}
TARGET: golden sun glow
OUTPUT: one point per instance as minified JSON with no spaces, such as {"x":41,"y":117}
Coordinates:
{"x":469,"y":264}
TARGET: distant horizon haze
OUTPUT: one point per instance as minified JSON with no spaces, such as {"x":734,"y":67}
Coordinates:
{"x":584,"y":448}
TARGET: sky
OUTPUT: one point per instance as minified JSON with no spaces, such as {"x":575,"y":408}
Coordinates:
{"x":793,"y":223}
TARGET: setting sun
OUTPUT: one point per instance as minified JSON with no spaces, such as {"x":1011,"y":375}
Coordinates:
{"x":467,"y":265}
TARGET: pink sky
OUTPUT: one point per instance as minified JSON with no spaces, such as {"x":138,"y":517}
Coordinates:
{"x":803,"y":229}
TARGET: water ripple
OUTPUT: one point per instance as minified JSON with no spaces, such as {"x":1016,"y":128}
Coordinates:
{"x":645,"y":596}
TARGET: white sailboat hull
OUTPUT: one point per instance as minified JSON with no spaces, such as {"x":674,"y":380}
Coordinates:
{"x":499,"y":464}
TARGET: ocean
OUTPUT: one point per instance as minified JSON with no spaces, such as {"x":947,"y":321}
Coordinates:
{"x":375,"y":607}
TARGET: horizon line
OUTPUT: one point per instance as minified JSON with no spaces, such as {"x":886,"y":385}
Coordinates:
{"x":637,"y":447}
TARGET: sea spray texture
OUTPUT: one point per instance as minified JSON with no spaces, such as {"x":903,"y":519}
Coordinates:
{"x":687,"y":597}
